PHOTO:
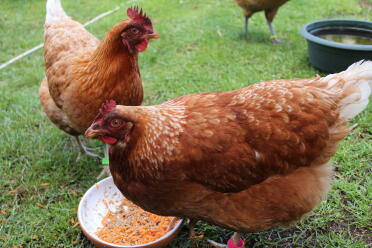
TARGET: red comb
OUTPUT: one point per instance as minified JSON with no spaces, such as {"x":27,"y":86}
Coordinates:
{"x":138,"y":15}
{"x":106,"y":108}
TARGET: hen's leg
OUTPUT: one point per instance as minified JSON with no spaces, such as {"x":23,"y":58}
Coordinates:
{"x":106,"y":169}
{"x":192,"y":224}
{"x":84,"y":149}
{"x":273,"y":37}
{"x":246,"y":27}
{"x":234,"y":242}
{"x":270,"y":14}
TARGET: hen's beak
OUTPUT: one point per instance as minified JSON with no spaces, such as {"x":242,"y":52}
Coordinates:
{"x":91,"y":133}
{"x":153,"y":36}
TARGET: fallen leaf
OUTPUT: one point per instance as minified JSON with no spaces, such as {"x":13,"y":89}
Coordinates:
{"x":41,"y":205}
{"x":35,"y":237}
{"x":3,"y":212}
{"x":72,"y":220}
{"x":14,"y":191}
{"x":73,"y":192}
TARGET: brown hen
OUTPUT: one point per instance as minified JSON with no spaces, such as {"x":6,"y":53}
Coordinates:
{"x":82,"y":72}
{"x":247,"y":160}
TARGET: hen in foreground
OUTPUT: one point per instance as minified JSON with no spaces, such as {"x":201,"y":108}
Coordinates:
{"x":83,"y":72}
{"x":269,"y":6}
{"x":247,"y":160}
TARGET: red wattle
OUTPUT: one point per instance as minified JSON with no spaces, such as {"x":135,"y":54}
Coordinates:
{"x":108,"y":140}
{"x":142,"y":46}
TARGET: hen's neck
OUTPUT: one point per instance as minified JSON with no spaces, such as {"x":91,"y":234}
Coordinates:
{"x":112,"y":61}
{"x":157,"y":132}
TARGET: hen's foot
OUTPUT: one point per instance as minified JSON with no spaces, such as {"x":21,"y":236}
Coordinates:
{"x":234,"y":242}
{"x":85,"y":150}
{"x":275,"y":40}
{"x":216,"y":244}
{"x":93,"y":149}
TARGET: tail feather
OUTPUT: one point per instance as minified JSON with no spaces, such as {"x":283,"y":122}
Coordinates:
{"x":54,"y":11}
{"x":354,"y":86}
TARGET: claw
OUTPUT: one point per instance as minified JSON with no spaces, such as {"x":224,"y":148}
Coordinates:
{"x":215,"y":244}
{"x":275,"y":40}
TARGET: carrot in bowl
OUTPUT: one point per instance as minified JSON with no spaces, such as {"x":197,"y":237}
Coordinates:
{"x":130,"y":225}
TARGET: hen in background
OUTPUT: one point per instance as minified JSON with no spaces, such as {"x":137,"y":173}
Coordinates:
{"x":247,"y":160}
{"x":269,"y":6}
{"x":83,"y":72}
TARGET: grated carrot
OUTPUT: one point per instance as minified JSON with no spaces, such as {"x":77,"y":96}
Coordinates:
{"x":130,"y":225}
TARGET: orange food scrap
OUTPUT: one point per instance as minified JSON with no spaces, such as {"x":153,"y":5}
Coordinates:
{"x":130,"y":225}
{"x":105,"y":202}
{"x":44,"y":184}
{"x":72,"y":220}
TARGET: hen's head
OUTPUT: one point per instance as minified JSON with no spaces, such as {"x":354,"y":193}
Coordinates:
{"x":138,"y":31}
{"x":110,"y":126}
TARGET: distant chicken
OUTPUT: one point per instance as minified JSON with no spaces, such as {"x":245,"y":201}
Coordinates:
{"x":269,"y":6}
{"x":83,"y":72}
{"x":247,"y":160}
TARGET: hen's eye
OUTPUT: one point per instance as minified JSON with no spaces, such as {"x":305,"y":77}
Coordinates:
{"x":116,"y":123}
{"x":134,"y":30}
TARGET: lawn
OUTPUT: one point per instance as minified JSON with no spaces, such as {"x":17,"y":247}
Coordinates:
{"x":200,"y":49}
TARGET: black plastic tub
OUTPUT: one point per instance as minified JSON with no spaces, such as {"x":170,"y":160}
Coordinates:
{"x":331,"y":56}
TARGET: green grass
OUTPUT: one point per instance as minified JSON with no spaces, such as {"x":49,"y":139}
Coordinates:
{"x":201,"y":49}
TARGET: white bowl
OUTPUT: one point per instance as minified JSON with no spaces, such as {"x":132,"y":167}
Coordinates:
{"x":92,"y":209}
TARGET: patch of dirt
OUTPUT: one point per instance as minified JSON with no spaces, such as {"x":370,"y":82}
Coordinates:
{"x":358,"y":233}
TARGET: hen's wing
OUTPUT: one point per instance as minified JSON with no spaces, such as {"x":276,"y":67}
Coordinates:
{"x":65,"y":40}
{"x":54,"y":113}
{"x":237,"y":139}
